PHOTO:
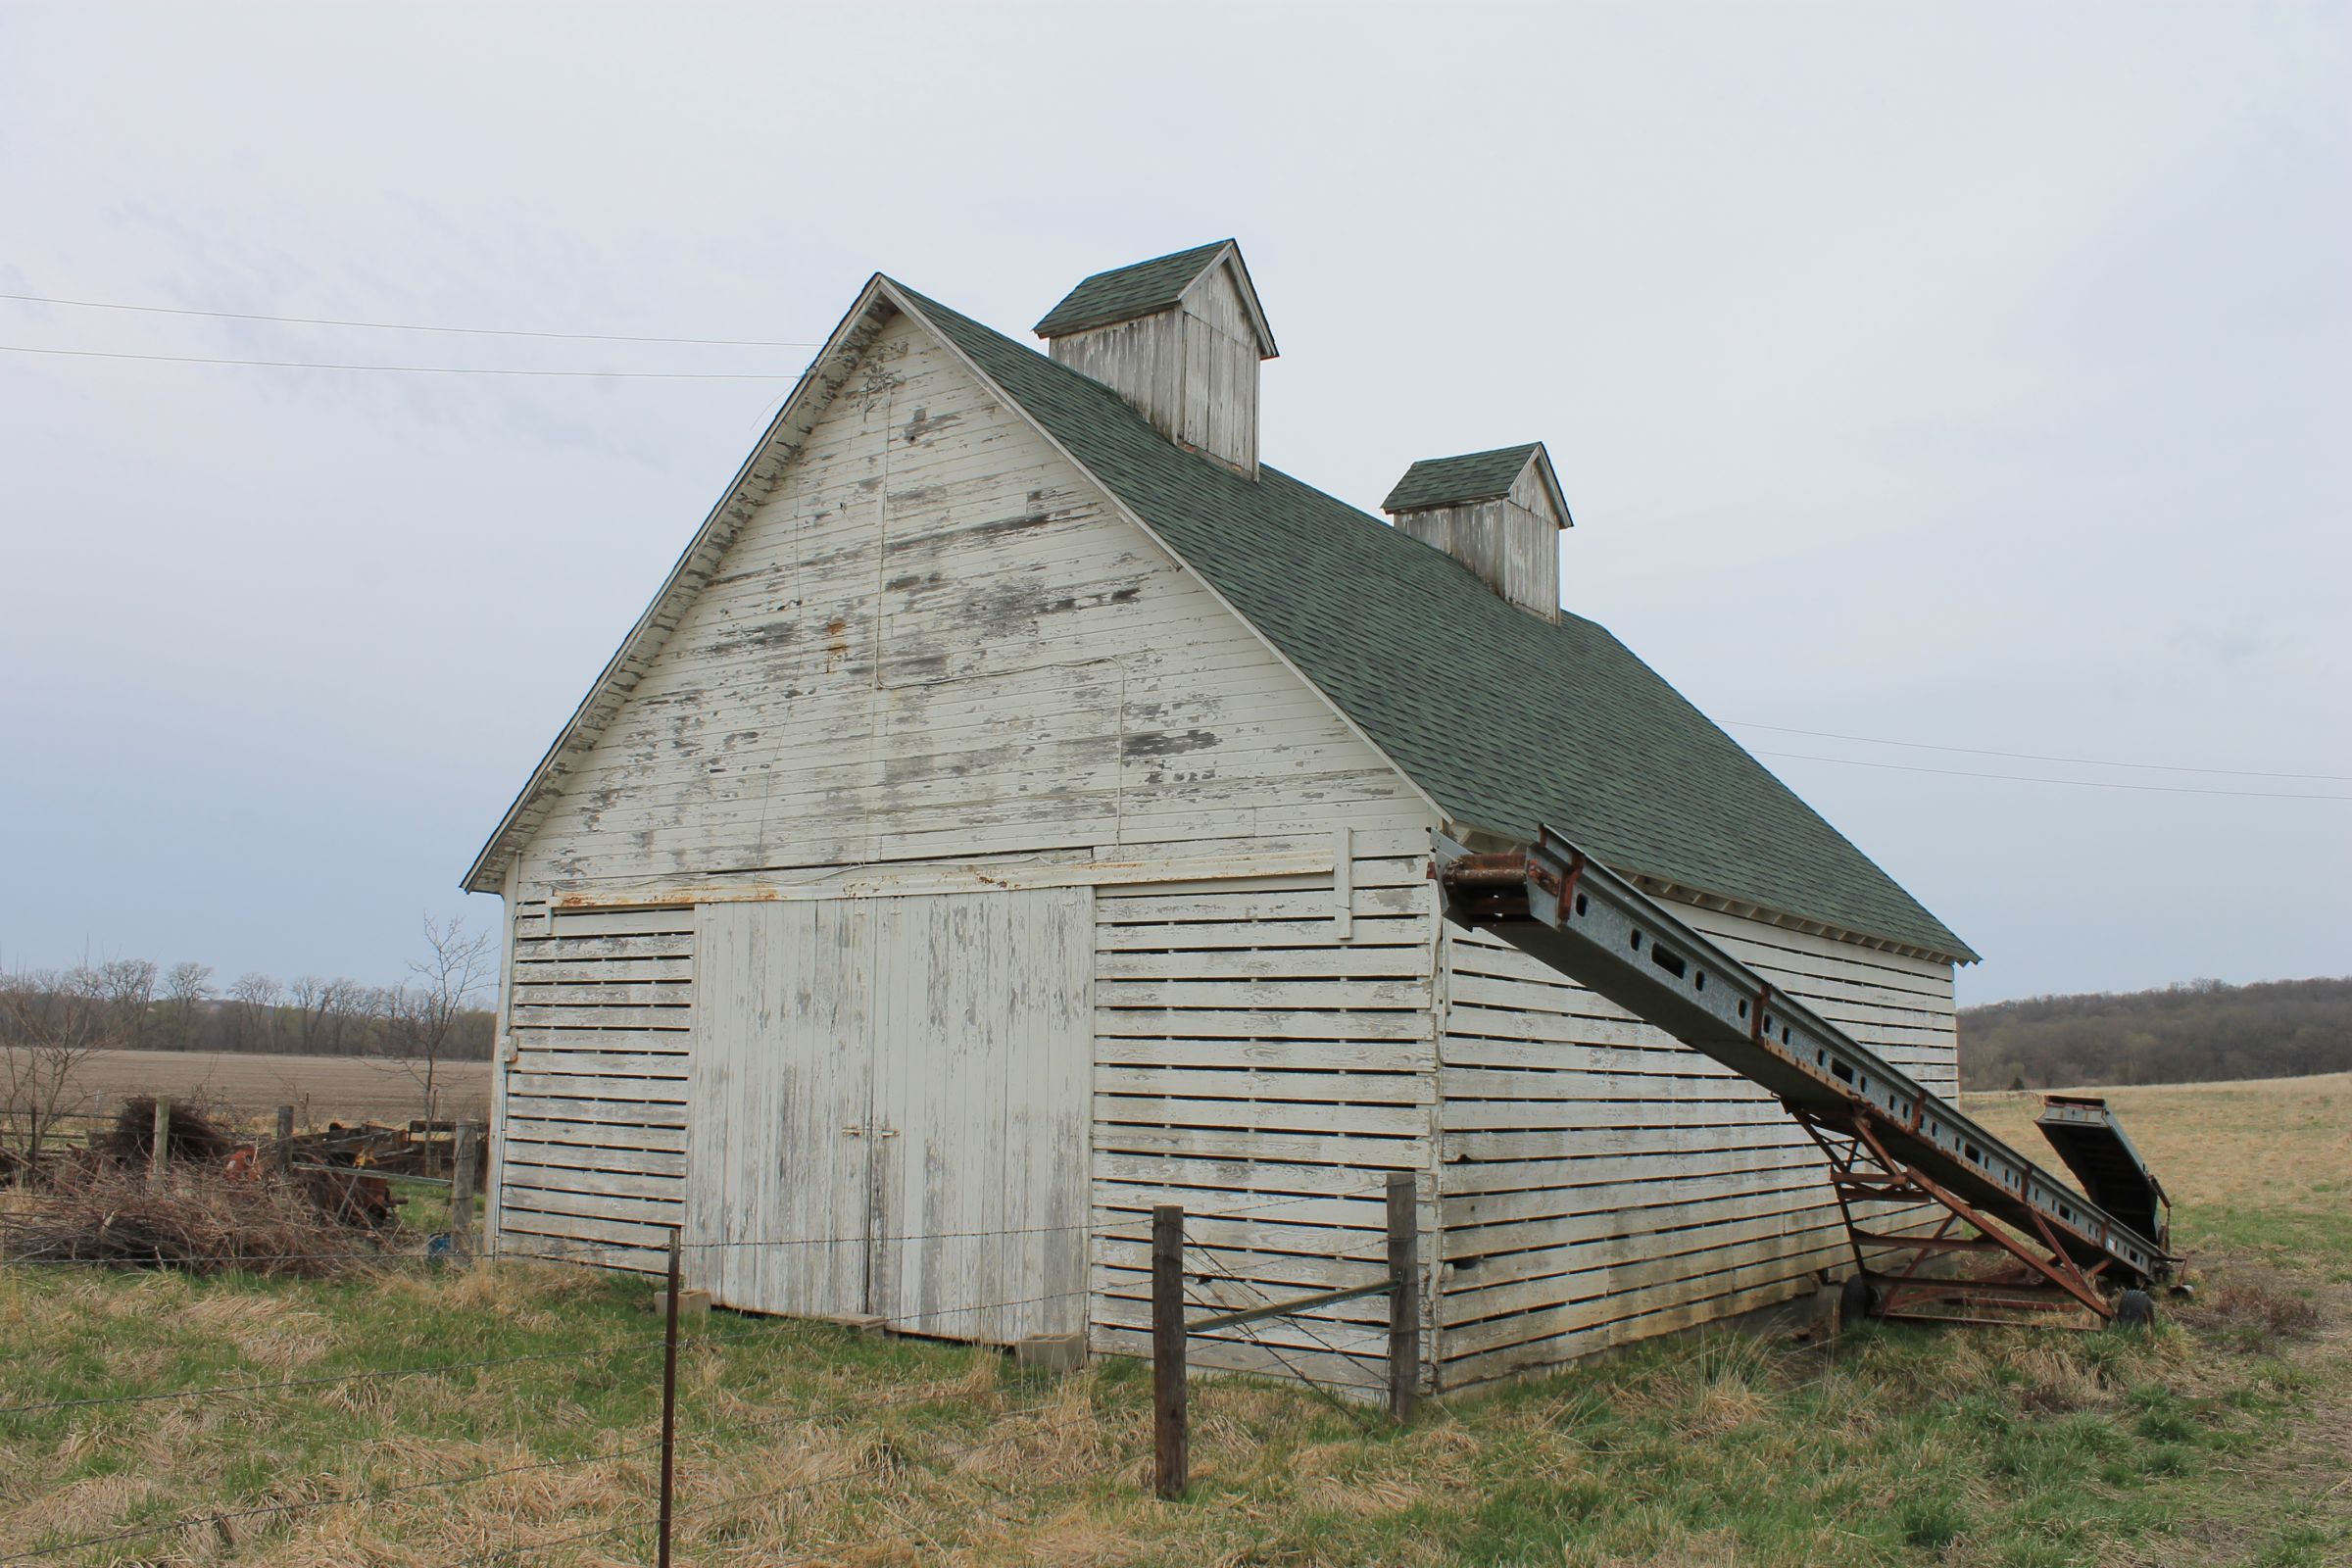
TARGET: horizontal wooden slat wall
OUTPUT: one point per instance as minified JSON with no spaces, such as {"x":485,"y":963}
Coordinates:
{"x":1601,"y":1182}
{"x":1265,"y":1064}
{"x":592,"y":1158}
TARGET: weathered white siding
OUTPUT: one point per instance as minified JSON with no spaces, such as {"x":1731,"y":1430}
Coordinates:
{"x":935,"y":664}
{"x":889,"y":1111}
{"x":1601,"y":1182}
{"x":591,"y":1155}
{"x":937,"y":642}
{"x":1511,"y":542}
{"x":935,"y":657}
{"x":1192,"y":371}
{"x":1265,"y":1059}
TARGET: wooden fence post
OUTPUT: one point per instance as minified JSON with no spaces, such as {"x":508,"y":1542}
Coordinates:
{"x":669,"y":1397}
{"x":285,"y":1141}
{"x":1405,"y":1299}
{"x":463,"y":1174}
{"x":159,"y":1152}
{"x":1171,"y":1457}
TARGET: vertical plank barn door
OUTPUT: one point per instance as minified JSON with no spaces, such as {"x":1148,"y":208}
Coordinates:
{"x":777,"y":1171}
{"x":983,"y":1060}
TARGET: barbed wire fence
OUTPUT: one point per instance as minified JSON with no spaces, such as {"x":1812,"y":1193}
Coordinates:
{"x":1186,"y":1277}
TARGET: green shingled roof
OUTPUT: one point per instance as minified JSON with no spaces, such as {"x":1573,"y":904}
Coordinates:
{"x":1506,"y":720}
{"x":1126,"y":292}
{"x":1456,"y":482}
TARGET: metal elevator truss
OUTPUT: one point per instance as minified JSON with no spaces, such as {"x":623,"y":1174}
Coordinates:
{"x":2002,"y":1239}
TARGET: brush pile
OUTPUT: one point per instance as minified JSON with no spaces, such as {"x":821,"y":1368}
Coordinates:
{"x":202,"y":1224}
{"x":193,"y":1139}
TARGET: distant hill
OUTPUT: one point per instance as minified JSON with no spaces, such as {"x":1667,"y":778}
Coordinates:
{"x":2188,"y":1033}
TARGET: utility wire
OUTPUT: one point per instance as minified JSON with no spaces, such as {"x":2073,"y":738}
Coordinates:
{"x":2077,"y":783}
{"x":410,"y":326}
{"x":2037,"y":757}
{"x":413,"y":370}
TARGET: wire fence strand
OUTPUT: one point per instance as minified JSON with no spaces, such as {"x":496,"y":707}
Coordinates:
{"x":701,"y":1434}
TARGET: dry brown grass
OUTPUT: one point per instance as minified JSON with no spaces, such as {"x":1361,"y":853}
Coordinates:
{"x":2271,"y":1144}
{"x":198,"y":1222}
{"x":1888,"y":1447}
{"x":2256,"y":1306}
{"x":319,"y":1087}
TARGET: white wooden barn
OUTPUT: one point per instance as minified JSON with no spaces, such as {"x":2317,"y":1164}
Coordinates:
{"x":1015,"y":810}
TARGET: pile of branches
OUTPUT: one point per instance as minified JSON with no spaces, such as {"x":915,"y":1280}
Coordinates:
{"x":193,"y":1139}
{"x":200,"y":1222}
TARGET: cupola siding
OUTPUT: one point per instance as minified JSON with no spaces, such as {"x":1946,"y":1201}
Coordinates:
{"x":1185,"y":354}
{"x":1499,"y":513}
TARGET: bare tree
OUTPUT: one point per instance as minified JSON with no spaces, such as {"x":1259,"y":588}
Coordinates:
{"x":308,"y":995}
{"x":187,"y":987}
{"x":257,"y":998}
{"x":325,"y":1011}
{"x":421,"y":1019}
{"x":129,"y":987}
{"x":49,"y":1022}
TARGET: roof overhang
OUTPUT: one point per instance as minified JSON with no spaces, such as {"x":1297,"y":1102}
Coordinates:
{"x":878,"y":303}
{"x":1487,"y":841}
{"x":1546,"y":476}
{"x":752,"y":485}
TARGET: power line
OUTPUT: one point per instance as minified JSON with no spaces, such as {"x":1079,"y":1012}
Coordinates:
{"x":411,"y":326}
{"x":2037,"y":757}
{"x":2077,"y":783}
{"x":415,"y":369}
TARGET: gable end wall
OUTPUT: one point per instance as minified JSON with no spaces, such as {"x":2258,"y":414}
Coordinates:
{"x":934,"y":651}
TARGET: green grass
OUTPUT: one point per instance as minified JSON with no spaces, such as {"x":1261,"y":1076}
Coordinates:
{"x":1898,"y":1446}
{"x":2318,"y":1242}
{"x":2214,"y":1438}
{"x":425,"y":1207}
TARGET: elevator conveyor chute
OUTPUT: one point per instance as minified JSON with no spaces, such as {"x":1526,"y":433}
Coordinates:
{"x":2089,"y":1136}
{"x":1892,"y":1145}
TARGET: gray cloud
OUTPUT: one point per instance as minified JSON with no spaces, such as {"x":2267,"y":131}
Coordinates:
{"x":1973,"y":376}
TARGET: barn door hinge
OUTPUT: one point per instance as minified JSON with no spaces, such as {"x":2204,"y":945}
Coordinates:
{"x":860,"y":1129}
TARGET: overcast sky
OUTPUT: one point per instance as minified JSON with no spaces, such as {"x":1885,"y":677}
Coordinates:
{"x":1972,"y":376}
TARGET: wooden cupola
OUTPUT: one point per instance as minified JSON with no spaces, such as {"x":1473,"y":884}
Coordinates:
{"x":1180,"y":337}
{"x":1498,"y":512}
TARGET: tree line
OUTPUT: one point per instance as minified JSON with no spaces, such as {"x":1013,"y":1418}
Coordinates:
{"x":135,"y":1003}
{"x":2196,"y":1032}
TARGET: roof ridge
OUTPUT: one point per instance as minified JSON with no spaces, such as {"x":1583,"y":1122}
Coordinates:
{"x":1616,"y":756}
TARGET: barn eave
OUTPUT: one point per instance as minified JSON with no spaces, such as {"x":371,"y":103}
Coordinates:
{"x":761,"y":473}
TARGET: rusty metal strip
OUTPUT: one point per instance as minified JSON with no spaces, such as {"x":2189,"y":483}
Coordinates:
{"x":2059,"y":1270}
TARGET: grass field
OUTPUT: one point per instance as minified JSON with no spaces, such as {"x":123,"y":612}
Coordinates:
{"x":351,"y":1088}
{"x":2223,"y":1436}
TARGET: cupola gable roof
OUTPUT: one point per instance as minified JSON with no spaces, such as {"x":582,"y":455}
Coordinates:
{"x":1145,"y":288}
{"x":1476,"y":477}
